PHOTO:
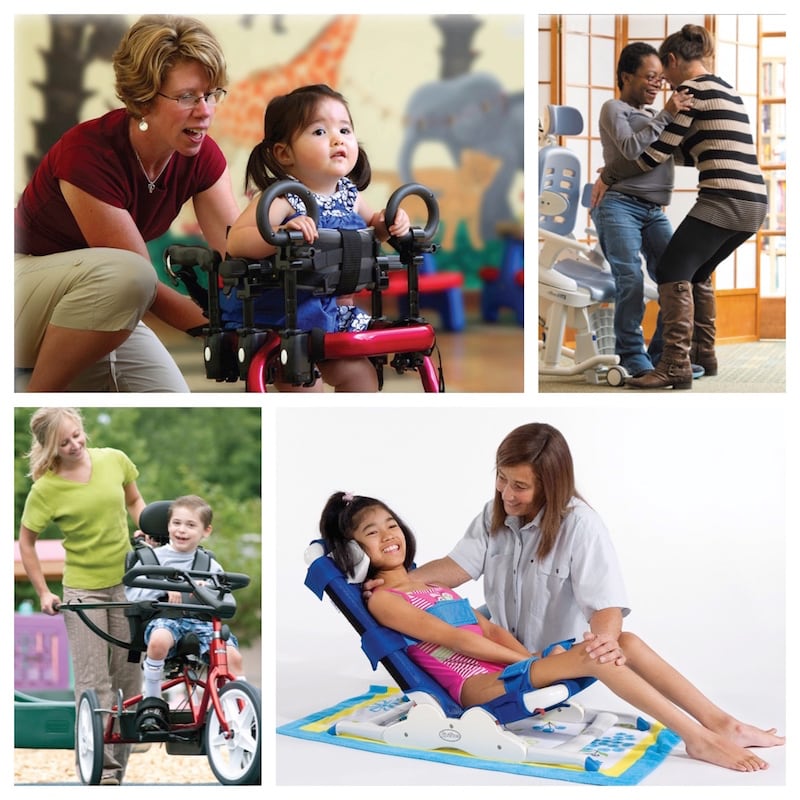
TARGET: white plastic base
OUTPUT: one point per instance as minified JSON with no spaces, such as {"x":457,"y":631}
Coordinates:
{"x":421,"y":724}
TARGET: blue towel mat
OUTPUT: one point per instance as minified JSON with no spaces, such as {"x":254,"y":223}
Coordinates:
{"x":628,"y":756}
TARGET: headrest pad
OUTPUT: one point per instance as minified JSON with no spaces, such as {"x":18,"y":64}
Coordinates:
{"x":317,"y":549}
{"x":153,"y":520}
{"x":562,"y":121}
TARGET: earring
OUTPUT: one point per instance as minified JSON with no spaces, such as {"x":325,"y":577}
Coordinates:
{"x":143,"y":126}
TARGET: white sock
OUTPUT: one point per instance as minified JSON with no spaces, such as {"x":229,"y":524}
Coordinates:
{"x":153,"y":671}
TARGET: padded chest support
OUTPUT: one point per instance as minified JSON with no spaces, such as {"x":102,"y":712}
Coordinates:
{"x":454,"y":612}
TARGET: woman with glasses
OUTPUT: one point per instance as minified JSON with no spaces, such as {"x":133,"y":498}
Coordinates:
{"x":630,"y":220}
{"x":83,"y":276}
{"x":715,"y":135}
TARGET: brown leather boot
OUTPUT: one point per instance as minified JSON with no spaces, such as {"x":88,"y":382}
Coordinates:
{"x":705,"y":327}
{"x":674,"y":367}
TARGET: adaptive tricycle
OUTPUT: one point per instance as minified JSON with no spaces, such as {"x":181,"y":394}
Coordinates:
{"x":211,"y":713}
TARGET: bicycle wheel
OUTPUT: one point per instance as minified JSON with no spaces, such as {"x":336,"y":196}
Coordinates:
{"x":235,"y":759}
{"x":89,"y":738}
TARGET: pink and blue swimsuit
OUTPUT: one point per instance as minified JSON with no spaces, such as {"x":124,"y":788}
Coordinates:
{"x":448,"y":668}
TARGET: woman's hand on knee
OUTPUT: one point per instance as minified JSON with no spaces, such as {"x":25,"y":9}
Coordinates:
{"x":603,"y":647}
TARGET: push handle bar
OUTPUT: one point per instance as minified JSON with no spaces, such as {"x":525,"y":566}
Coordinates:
{"x":170,"y":579}
{"x":182,"y":255}
{"x":273,"y":192}
{"x":423,"y":192}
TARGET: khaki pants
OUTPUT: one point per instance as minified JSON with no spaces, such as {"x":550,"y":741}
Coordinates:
{"x":99,"y":289}
{"x":98,"y":665}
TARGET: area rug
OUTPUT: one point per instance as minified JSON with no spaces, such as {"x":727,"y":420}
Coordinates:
{"x":627,"y":755}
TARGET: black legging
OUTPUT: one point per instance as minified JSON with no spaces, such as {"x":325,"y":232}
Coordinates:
{"x":695,"y":250}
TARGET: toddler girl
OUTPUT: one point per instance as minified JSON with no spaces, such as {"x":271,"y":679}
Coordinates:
{"x":309,"y":137}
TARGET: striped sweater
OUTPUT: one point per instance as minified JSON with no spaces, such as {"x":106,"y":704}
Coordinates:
{"x":715,"y":136}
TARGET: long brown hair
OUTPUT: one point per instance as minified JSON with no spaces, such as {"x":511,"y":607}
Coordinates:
{"x":546,"y":452}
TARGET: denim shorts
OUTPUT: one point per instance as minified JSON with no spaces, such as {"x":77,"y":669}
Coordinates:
{"x":179,"y":627}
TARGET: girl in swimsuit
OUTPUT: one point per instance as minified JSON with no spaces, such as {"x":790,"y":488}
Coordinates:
{"x":472,"y":654}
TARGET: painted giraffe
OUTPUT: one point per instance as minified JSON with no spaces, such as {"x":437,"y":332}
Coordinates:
{"x":240,"y":120}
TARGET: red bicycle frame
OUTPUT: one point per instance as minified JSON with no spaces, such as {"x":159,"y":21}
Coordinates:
{"x":217,"y":676}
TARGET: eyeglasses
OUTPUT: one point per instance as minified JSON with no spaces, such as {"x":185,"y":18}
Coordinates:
{"x":655,"y":80}
{"x":191,"y":100}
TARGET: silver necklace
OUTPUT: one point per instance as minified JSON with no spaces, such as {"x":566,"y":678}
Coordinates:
{"x":151,"y":184}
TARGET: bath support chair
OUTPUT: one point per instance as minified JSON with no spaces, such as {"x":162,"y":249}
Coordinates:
{"x":427,"y":718}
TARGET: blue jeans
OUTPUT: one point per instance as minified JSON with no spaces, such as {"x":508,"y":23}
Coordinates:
{"x":629,"y":229}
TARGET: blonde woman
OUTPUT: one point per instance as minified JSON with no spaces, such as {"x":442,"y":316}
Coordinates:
{"x":86,"y":492}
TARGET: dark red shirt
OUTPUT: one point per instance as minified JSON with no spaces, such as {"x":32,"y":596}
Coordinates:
{"x":97,"y":157}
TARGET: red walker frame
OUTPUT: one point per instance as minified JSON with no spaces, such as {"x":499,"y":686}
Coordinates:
{"x":260,"y":355}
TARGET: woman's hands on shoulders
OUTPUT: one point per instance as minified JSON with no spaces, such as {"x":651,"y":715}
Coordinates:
{"x":368,"y":587}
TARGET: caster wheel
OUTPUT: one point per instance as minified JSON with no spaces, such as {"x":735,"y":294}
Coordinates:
{"x":616,"y":376}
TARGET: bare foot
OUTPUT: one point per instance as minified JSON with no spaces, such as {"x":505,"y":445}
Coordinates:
{"x":717,"y":750}
{"x":750,"y":736}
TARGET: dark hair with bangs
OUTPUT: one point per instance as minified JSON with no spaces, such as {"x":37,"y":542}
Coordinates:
{"x":285,"y":115}
{"x":339,"y":520}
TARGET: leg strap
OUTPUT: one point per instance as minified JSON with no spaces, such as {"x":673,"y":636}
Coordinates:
{"x":510,"y":706}
{"x":566,"y":644}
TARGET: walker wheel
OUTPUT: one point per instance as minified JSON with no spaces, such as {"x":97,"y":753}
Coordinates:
{"x":616,"y":376}
{"x":89,"y":739}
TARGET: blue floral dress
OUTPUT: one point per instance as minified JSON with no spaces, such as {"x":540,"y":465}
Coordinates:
{"x":335,"y":211}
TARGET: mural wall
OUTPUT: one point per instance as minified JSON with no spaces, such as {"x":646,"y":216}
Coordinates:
{"x":435,"y":99}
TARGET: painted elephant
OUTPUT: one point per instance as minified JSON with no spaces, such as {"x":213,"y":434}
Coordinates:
{"x":470,"y":112}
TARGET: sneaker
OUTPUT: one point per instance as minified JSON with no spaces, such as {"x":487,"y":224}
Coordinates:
{"x":109,"y":779}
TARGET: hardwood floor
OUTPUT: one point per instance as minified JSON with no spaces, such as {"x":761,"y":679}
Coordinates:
{"x":482,"y":358}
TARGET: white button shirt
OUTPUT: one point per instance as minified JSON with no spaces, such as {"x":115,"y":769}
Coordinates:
{"x":542,"y":602}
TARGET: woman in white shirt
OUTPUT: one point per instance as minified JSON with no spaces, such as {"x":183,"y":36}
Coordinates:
{"x":546,"y":557}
